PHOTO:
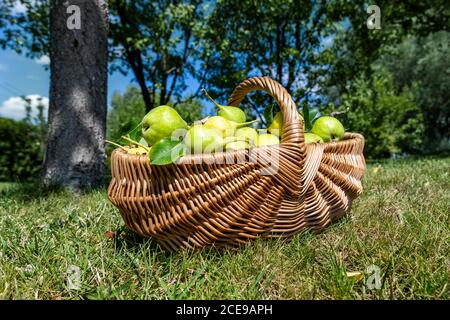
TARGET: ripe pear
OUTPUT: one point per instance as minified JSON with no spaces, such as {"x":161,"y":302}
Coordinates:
{"x":231,"y":113}
{"x":204,"y":139}
{"x":160,"y":123}
{"x":237,"y":145}
{"x":277,"y":124}
{"x":328,"y":128}
{"x":267,"y":139}
{"x":247,"y":133}
{"x":312,"y":138}
{"x":226,"y":127}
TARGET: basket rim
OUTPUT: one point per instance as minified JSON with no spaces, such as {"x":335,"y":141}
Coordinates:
{"x":348,"y":137}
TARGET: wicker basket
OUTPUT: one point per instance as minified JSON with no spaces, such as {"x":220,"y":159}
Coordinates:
{"x":225,"y":199}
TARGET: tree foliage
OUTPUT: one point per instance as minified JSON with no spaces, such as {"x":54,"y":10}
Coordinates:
{"x":158,"y":41}
{"x":20,"y":151}
{"x":356,"y":47}
{"x":426,"y":61}
{"x":391,"y":122}
{"x":280,"y":39}
{"x":155,"y":40}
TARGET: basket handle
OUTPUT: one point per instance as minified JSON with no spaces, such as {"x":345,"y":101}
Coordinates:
{"x":292,"y":131}
{"x":292,"y":159}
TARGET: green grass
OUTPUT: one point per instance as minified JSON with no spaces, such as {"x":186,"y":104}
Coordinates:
{"x":400,"y":224}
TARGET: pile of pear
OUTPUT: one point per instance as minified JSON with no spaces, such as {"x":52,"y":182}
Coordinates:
{"x":228,"y":130}
{"x":324,"y":129}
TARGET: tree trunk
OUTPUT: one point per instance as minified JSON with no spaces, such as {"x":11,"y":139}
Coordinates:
{"x":78,"y":93}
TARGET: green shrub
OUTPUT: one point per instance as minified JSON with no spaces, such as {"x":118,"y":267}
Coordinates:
{"x":20,"y":151}
{"x":390,"y":121}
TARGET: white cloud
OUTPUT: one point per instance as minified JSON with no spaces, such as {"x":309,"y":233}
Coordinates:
{"x":43,"y":60}
{"x":3,"y":67}
{"x":14,"y":107}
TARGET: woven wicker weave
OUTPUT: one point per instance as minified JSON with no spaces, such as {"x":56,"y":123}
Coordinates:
{"x":214,"y":199}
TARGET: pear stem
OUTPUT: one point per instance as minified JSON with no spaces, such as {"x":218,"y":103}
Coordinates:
{"x":136,"y":143}
{"x":243,"y":124}
{"x":116,"y":144}
{"x":209,"y":97}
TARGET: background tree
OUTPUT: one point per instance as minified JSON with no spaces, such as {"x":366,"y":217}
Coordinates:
{"x":391,"y":121}
{"x":20,"y":151}
{"x":156,"y":40}
{"x":356,"y":47}
{"x":426,"y":60}
{"x":280,"y":39}
{"x":77,"y":112}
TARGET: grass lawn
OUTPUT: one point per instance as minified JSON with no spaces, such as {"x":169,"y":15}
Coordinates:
{"x":400,"y":224}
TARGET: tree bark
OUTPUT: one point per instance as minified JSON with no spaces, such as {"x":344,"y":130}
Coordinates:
{"x":78,"y":95}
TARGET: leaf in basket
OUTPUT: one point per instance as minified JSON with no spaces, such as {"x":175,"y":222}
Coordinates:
{"x":309,"y":116}
{"x":314,"y":114}
{"x":268,"y":114}
{"x":136,"y":133}
{"x":166,"y":151}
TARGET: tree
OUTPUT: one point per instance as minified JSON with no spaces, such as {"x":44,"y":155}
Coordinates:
{"x":356,"y":47}
{"x":158,"y":41}
{"x":21,"y":155}
{"x":77,"y":112}
{"x":390,"y":121}
{"x":425,"y":60}
{"x":280,"y":39}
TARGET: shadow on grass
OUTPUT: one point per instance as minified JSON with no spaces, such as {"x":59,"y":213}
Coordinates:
{"x":30,"y":191}
{"x":127,"y":240}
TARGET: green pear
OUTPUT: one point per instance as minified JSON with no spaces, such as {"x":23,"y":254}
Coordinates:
{"x":328,"y":128}
{"x":203,"y":139}
{"x":226,"y":127}
{"x":266,"y":139}
{"x":237,"y":145}
{"x":277,"y":124}
{"x":247,"y":133}
{"x":312,"y":138}
{"x":160,"y":123}
{"x":231,"y":113}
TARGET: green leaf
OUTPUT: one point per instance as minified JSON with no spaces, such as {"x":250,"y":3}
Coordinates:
{"x":268,"y":114}
{"x":166,"y":151}
{"x":314,"y":114}
{"x":309,"y":116}
{"x":136,"y":133}
{"x":305,"y":112}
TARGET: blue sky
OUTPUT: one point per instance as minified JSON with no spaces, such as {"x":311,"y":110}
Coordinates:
{"x":24,"y":76}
